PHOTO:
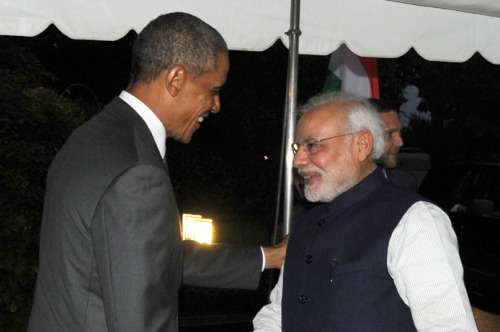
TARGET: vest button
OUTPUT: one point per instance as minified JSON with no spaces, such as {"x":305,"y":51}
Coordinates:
{"x":308,"y":259}
{"x":302,"y":299}
{"x":321,"y":222}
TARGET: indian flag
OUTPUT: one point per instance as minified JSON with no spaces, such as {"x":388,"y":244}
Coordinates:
{"x":351,"y":73}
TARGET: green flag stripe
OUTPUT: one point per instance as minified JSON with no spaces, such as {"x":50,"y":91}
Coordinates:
{"x":332,"y":82}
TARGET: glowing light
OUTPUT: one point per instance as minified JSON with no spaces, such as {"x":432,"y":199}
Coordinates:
{"x":196,"y":228}
{"x":203,"y":231}
{"x":189,"y":225}
{"x":266,"y":158}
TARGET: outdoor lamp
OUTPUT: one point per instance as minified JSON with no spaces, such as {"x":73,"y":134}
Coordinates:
{"x":196,"y":228}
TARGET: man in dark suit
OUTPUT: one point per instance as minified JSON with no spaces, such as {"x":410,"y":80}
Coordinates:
{"x":393,"y":142}
{"x":111,"y":255}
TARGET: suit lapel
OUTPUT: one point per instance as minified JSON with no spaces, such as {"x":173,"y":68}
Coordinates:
{"x":147,"y":151}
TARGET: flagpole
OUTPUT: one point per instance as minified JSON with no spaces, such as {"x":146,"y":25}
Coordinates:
{"x":291,"y":111}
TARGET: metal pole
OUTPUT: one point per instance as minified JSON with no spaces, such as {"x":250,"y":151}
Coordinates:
{"x":291,"y":111}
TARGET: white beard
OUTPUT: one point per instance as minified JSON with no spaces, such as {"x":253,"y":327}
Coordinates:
{"x":332,"y":185}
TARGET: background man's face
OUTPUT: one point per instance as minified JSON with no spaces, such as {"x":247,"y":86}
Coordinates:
{"x":393,"y":139}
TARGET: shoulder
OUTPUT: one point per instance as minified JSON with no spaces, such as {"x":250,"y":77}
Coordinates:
{"x":425,"y":222}
{"x":427,"y":213}
{"x":402,"y":178}
{"x":141,"y":174}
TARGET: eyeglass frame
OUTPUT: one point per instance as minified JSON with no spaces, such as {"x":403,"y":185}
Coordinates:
{"x":296,"y":146}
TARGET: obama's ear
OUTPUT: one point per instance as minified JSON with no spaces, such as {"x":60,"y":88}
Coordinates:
{"x":174,"y":78}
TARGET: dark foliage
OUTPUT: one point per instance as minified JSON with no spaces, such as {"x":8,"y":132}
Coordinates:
{"x":34,"y":123}
{"x":462,"y":99}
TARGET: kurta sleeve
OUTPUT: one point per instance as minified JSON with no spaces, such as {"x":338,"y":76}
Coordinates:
{"x":424,"y":262}
{"x":268,"y":319}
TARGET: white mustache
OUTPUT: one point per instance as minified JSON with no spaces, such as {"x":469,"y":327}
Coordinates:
{"x":313,"y":169}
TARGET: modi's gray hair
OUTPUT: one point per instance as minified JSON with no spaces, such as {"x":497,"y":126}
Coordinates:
{"x":361,"y":115}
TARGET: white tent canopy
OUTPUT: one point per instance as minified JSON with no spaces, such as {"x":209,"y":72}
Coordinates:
{"x":377,"y":28}
{"x":482,"y":7}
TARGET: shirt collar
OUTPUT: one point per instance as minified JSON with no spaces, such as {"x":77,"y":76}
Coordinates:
{"x":154,"y":124}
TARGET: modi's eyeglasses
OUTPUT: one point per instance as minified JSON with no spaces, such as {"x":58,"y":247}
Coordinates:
{"x":311,"y":145}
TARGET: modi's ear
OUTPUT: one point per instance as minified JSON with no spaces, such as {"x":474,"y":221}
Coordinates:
{"x":174,"y":79}
{"x":364,"y":144}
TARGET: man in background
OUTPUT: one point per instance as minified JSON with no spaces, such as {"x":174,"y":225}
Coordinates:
{"x":393,"y":142}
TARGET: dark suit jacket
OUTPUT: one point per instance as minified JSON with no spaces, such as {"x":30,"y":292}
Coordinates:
{"x":402,"y":178}
{"x":110,"y":247}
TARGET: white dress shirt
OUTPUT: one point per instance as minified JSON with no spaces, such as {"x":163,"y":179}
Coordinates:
{"x":432,"y":288}
{"x":154,"y":124}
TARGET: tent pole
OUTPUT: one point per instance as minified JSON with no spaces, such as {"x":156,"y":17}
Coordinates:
{"x":291,"y":111}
